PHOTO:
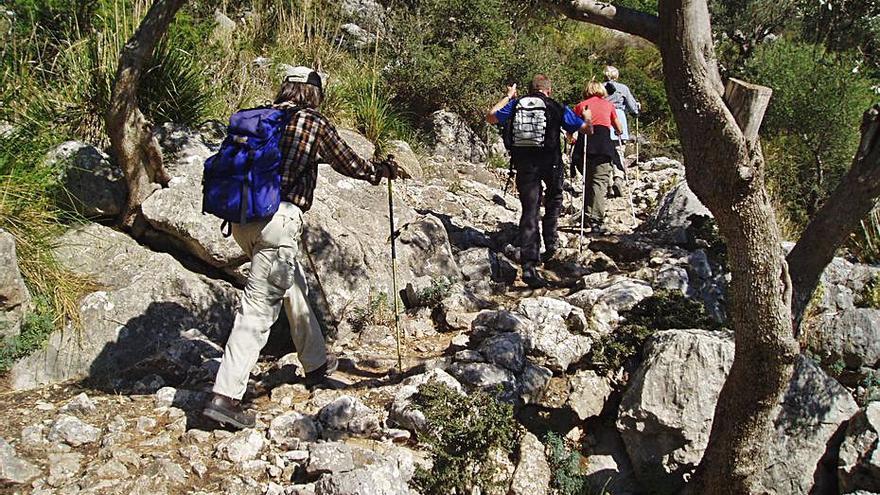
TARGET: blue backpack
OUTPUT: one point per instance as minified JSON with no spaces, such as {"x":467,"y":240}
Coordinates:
{"x":242,"y":181}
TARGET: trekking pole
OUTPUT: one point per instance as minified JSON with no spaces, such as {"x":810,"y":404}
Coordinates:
{"x":584,"y":206}
{"x":632,"y":209}
{"x":638,"y":137}
{"x":394,"y":274}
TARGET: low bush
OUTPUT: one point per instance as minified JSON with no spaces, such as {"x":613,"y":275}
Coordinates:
{"x":565,"y":467}
{"x":665,"y":310}
{"x":378,"y":311}
{"x":463,"y":432}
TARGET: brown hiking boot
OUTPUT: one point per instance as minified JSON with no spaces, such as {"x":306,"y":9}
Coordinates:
{"x":228,"y":411}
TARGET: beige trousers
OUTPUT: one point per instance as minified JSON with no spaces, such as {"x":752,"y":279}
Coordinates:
{"x":275,"y":279}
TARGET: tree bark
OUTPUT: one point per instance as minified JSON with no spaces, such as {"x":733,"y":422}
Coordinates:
{"x":131,"y":136}
{"x":830,"y":227}
{"x":726,"y":171}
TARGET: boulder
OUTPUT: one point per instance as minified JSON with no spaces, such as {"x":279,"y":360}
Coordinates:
{"x":589,"y":393}
{"x":175,"y":213}
{"x":533,"y":383}
{"x":555,"y":335}
{"x":329,"y":457}
{"x":406,"y":159}
{"x":851,"y":335}
{"x":451,"y":136}
{"x":666,"y":414}
{"x":146,"y":304}
{"x":604,"y":302}
{"x":93,"y":185}
{"x":356,"y":36}
{"x":242,"y":446}
{"x":673,"y":215}
{"x":360,"y":144}
{"x":15,"y":299}
{"x":484,"y":376}
{"x":532,"y":475}
{"x":483,"y":264}
{"x":14,"y":469}
{"x":505,"y":350}
{"x":374,"y":473}
{"x":72,"y":431}
{"x":367,"y":13}
{"x":859,"y":464}
{"x":347,"y":256}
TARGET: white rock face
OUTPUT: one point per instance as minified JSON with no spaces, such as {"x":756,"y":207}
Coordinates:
{"x":859,"y":466}
{"x":94,"y":186}
{"x":349,"y":415}
{"x":666,"y":414}
{"x":14,"y":469}
{"x":556,"y":333}
{"x":532,"y":475}
{"x":15,"y":299}
{"x":452,"y":137}
{"x":290,"y":429}
{"x":243,"y":446}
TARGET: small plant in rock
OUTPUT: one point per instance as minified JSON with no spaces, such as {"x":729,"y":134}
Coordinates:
{"x":455,"y":187}
{"x":870,"y":295}
{"x":431,"y":297}
{"x":35,"y":330}
{"x":665,"y":310}
{"x":836,"y":368}
{"x":463,"y":431}
{"x":565,"y":467}
{"x":377,"y":311}
{"x":703,"y":233}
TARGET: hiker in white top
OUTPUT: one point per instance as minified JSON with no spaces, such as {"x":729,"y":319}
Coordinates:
{"x":624,"y":102}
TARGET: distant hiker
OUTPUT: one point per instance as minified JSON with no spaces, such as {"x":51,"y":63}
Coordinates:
{"x":532,"y":134}
{"x":600,"y":152}
{"x":275,"y":277}
{"x":624,"y":102}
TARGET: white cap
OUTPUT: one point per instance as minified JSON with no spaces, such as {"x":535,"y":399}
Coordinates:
{"x":301,"y":74}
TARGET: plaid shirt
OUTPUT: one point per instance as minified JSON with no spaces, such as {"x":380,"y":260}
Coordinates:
{"x":308,"y":138}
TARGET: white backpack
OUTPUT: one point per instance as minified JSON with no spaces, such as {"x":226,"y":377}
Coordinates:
{"x":529,"y":126}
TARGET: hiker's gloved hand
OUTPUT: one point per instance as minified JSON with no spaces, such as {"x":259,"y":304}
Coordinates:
{"x":386,"y":168}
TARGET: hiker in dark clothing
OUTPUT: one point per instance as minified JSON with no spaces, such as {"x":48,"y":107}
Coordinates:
{"x":532,"y":134}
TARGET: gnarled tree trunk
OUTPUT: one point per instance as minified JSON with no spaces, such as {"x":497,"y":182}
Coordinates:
{"x":131,"y":136}
{"x":725,"y":168}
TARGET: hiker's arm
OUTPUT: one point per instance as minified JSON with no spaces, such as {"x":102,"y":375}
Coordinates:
{"x":630,"y":101}
{"x":572,"y":123}
{"x":500,"y":112}
{"x":615,"y":121}
{"x":342,"y":158}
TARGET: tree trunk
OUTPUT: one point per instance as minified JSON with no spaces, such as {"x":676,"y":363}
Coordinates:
{"x":131,"y":136}
{"x":726,"y":171}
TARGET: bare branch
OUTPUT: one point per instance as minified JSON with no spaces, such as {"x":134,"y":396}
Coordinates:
{"x":607,"y":15}
{"x":853,"y":199}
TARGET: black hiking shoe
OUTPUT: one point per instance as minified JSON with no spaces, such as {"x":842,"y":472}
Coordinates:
{"x":548,"y":254}
{"x":531,"y":278}
{"x":228,"y":411}
{"x":317,"y":376}
{"x":598,"y":228}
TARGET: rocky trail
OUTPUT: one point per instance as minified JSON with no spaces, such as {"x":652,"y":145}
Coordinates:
{"x":114,"y":408}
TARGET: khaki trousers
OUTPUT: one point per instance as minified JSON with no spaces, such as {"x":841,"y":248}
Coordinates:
{"x":597,"y":181}
{"x":275,"y":279}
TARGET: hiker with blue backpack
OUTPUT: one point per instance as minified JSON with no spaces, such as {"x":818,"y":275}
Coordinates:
{"x":531,"y":131}
{"x":261,"y":182}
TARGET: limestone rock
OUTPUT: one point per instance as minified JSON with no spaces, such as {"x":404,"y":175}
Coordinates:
{"x":147,"y":302}
{"x":859,"y":465}
{"x":368,"y":13}
{"x":81,"y":404}
{"x":243,"y":446}
{"x":484,"y":375}
{"x":666,"y":414}
{"x":677,"y":206}
{"x":289,"y":429}
{"x":175,"y":213}
{"x":555,"y":335}
{"x":407,"y":159}
{"x":63,"y":467}
{"x":356,"y":36}
{"x":14,"y":296}
{"x":589,"y":393}
{"x":505,"y":350}
{"x":93,"y":185}
{"x":14,"y":469}
{"x":349,"y":415}
{"x":72,"y":431}
{"x":533,"y":383}
{"x":604,"y":302}
{"x":453,"y":137}
{"x":329,"y":457}
{"x":852,"y":336}
{"x":532,"y":475}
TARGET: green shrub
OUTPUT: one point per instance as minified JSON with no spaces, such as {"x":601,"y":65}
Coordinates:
{"x":439,"y":290}
{"x":378,"y":311}
{"x":35,"y":330}
{"x":565,"y":467}
{"x":665,"y":310}
{"x":462,"y":432}
{"x":870,"y":294}
{"x":811,"y":126}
